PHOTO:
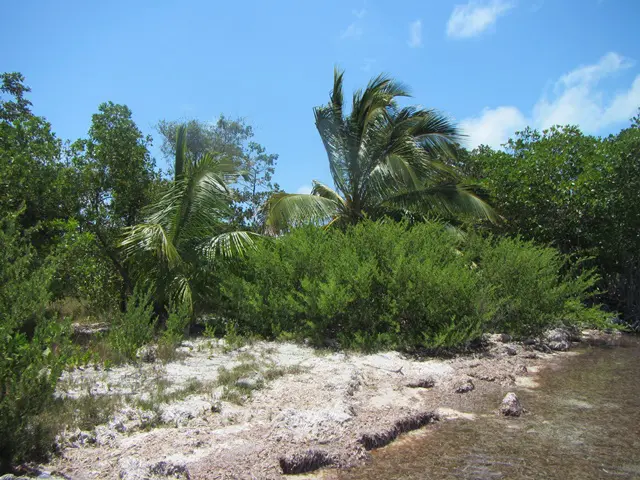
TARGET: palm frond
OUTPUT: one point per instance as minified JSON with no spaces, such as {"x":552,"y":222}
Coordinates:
{"x":152,"y":238}
{"x":331,"y":129}
{"x":337,"y":98}
{"x":285,"y":210}
{"x":322,"y":190}
{"x":445,"y":199}
{"x":180,"y":291}
{"x":229,"y":244}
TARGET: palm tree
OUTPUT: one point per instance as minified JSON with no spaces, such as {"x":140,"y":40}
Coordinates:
{"x":384,"y":161}
{"x":186,"y":227}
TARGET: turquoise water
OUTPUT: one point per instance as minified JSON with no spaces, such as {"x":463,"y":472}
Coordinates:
{"x":583,"y":422}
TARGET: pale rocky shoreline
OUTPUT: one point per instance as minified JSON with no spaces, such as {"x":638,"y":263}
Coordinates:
{"x":306,"y":409}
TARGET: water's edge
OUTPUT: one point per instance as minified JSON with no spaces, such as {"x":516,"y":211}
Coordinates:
{"x":582,"y":421}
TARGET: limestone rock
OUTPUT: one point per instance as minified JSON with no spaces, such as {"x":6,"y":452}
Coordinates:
{"x":147,"y":353}
{"x":510,"y":349}
{"x":132,"y":468}
{"x":252,"y":382}
{"x":465,"y":387}
{"x":425,"y":382}
{"x":511,"y":406}
{"x":558,"y":339}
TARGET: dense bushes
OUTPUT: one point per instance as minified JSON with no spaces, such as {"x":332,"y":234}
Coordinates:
{"x":388,"y":285}
{"x":577,"y":192}
{"x":32,"y":349}
{"x":531,"y":288}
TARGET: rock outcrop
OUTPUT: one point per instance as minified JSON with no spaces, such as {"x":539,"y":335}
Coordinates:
{"x":510,"y":406}
{"x":558,"y":339}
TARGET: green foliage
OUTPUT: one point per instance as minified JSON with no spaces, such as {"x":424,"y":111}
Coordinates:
{"x":115,"y":180}
{"x":115,"y":168}
{"x":83,"y":272}
{"x":32,"y":349}
{"x":176,"y":327}
{"x":385,"y":285}
{"x":135,"y":327}
{"x":186,"y":228}
{"x":32,"y":178}
{"x":577,"y":192}
{"x":385,"y":161}
{"x":530,"y":287}
{"x":231,"y":138}
{"x":177,"y":323}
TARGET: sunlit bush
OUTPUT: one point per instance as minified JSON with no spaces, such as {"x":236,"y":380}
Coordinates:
{"x":379,"y":285}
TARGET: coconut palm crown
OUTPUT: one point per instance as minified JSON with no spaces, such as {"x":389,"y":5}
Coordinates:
{"x":187,"y":225}
{"x":385,"y":161}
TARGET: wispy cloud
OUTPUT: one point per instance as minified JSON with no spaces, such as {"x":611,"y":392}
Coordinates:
{"x":577,"y":98}
{"x":475,"y":17}
{"x":415,"y":34}
{"x":355,"y":29}
{"x":305,"y":189}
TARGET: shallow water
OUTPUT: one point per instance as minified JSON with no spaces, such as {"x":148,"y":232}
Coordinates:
{"x":582,"y":422}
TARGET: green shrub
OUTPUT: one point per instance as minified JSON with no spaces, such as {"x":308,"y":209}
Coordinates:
{"x":530,"y":287}
{"x":135,"y":327}
{"x":176,"y":327}
{"x":390,"y":285}
{"x":84,"y":272}
{"x":375,"y":285}
{"x":177,"y":323}
{"x":32,"y":349}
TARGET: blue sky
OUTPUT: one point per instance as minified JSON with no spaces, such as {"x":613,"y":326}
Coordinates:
{"x":493,"y":65}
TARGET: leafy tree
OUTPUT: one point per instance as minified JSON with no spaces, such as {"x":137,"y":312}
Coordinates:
{"x":534,"y":182}
{"x":254,"y":186}
{"x":225,"y":136}
{"x":31,"y":174}
{"x":116,"y":177}
{"x":187,"y":227}
{"x":383,"y":160}
{"x":577,"y":192}
{"x":231,"y":138}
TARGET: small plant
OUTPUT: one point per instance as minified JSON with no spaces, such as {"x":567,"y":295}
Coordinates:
{"x":232,"y":339}
{"x":177,"y":323}
{"x":210,"y":330}
{"x":135,"y":327}
{"x":176,"y":328}
{"x":85,"y":412}
{"x":277,"y":372}
{"x":240,"y":381}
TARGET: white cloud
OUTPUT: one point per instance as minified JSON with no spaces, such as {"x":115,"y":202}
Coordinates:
{"x":415,"y":34}
{"x":590,"y":74}
{"x":475,"y":17}
{"x":354,"y":30}
{"x":624,"y":105}
{"x":304,"y":189}
{"x":492,"y":127}
{"x":577,"y":99}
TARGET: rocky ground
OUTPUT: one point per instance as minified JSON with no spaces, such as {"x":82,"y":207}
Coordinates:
{"x":267,"y":409}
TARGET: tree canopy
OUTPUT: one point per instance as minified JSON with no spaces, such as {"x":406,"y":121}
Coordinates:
{"x":385,"y":161}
